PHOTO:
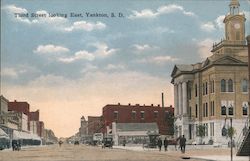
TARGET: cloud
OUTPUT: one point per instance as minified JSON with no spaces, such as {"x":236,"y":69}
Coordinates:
{"x":14,"y":9}
{"x":166,"y":9}
{"x":87,"y":26}
{"x":158,"y":60}
{"x":85,"y":55}
{"x":219,"y":21}
{"x":15,"y":71}
{"x":146,"y":13}
{"x":50,"y":48}
{"x":103,"y":50}
{"x":115,"y":67}
{"x":204,"y":48}
{"x":9,"y":72}
{"x":144,"y":47}
{"x":89,"y":68}
{"x":208,"y":26}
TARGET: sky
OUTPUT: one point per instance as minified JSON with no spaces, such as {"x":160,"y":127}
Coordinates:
{"x":68,"y":66}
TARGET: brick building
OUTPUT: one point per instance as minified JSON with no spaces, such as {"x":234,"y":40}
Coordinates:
{"x":139,"y":114}
{"x":94,"y":124}
{"x":23,"y":107}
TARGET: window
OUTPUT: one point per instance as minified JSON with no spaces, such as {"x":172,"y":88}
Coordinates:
{"x":155,"y":114}
{"x":223,"y":107}
{"x":212,"y":108}
{"x":231,"y":108}
{"x":115,"y":115}
{"x":206,"y":114}
{"x":206,"y":89}
{"x":244,"y":85}
{"x":142,"y":115}
{"x":203,"y":89}
{"x":133,"y":115}
{"x":196,"y":111}
{"x":244,"y":108}
{"x":230,"y":85}
{"x":223,"y":85}
{"x":196,"y":90}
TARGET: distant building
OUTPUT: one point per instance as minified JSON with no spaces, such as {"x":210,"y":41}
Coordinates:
{"x":23,"y":107}
{"x":208,"y":93}
{"x":83,"y":130}
{"x":139,"y":114}
{"x":135,"y":133}
{"x":4,"y":105}
{"x":49,"y":137}
{"x":94,"y":124}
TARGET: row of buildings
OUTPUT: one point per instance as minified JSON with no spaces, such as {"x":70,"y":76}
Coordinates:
{"x":212,"y":92}
{"x":17,"y":122}
{"x":133,"y":123}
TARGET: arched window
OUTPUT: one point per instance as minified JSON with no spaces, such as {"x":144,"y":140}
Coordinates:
{"x":244,"y":108}
{"x":230,"y":85}
{"x":223,"y":85}
{"x":223,"y":110}
{"x":244,"y":85}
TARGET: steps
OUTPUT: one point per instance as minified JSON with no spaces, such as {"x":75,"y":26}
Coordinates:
{"x":244,"y":149}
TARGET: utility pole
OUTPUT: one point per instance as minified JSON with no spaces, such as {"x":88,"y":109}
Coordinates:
{"x":231,"y":137}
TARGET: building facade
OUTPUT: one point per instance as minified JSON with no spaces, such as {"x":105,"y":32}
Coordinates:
{"x":94,"y":125}
{"x":83,"y":130}
{"x":139,"y":114}
{"x":210,"y":92}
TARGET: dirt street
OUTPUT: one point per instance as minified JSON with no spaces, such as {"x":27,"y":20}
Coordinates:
{"x":86,"y":153}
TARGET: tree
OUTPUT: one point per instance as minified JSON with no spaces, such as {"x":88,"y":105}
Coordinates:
{"x":231,"y":131}
{"x":201,"y":132}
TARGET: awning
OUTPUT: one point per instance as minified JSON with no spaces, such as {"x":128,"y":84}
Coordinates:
{"x":3,"y":134}
{"x":24,"y":135}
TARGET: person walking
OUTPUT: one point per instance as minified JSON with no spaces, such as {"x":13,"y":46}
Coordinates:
{"x":183,"y":143}
{"x":159,"y":143}
{"x":166,"y":144}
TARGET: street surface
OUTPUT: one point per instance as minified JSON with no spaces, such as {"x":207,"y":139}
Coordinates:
{"x":86,"y":153}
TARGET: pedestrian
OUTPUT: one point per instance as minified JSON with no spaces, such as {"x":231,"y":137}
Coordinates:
{"x":166,"y":144}
{"x":124,"y":142}
{"x":183,"y":143}
{"x":159,"y":143}
{"x":60,"y":143}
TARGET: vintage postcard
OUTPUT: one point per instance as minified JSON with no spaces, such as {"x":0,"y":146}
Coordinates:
{"x":124,"y":80}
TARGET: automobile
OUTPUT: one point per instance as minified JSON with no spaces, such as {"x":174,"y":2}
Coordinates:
{"x":107,"y":142}
{"x":76,"y":143}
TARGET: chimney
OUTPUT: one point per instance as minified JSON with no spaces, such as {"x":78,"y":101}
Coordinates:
{"x":129,"y":104}
{"x":162,"y":99}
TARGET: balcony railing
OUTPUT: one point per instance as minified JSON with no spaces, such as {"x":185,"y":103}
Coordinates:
{"x":227,"y":42}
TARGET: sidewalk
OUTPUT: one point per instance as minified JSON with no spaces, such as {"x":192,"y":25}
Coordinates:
{"x":208,"y":153}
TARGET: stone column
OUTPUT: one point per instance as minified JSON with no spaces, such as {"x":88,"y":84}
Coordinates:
{"x":176,"y":106}
{"x":184,"y":100}
{"x":180,"y":99}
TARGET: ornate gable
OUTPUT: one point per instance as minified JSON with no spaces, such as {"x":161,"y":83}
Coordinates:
{"x":227,"y":60}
